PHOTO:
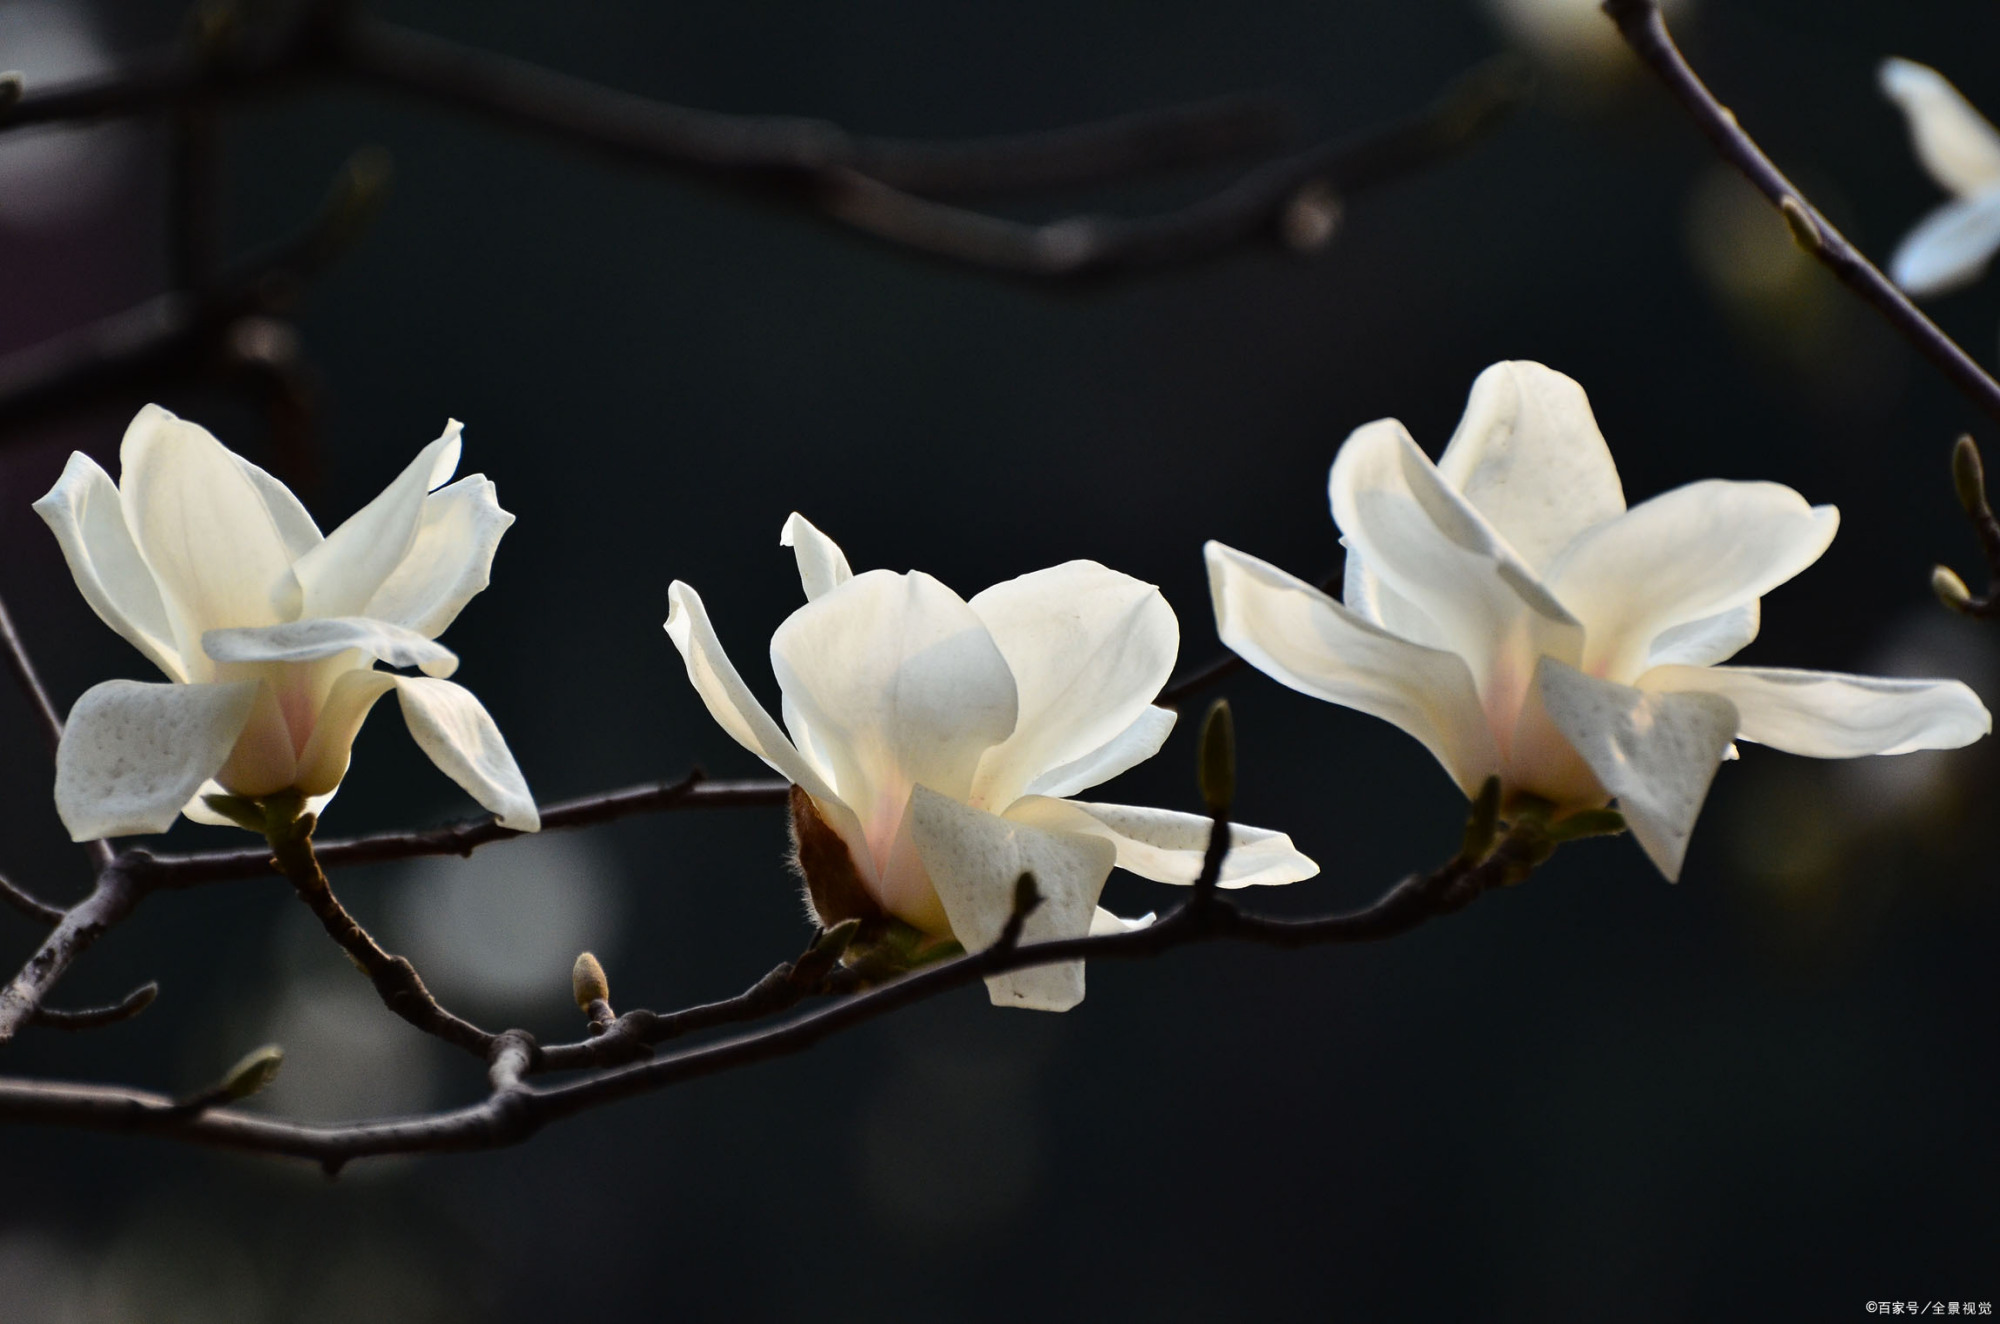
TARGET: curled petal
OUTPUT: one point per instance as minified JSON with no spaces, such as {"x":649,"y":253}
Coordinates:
{"x":974,"y":858}
{"x":1088,"y":648}
{"x":1686,"y":555}
{"x":85,"y":513}
{"x":822,"y":565}
{"x":449,"y":562}
{"x":1958,"y":145}
{"x":1950,"y":247}
{"x":1825,"y":715}
{"x":1168,"y":847}
{"x":339,"y":576}
{"x":1364,"y":594}
{"x":132,"y":754}
{"x":1129,"y":748}
{"x":453,"y":728}
{"x":1707,"y":641}
{"x":1299,"y":637}
{"x":322,"y":637}
{"x":1529,"y":457}
{"x":1656,"y":752}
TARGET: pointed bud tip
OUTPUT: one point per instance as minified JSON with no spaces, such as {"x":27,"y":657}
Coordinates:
{"x":1950,"y":589}
{"x":587,"y":982}
{"x":1217,"y":769}
{"x":1968,"y":476}
{"x":257,"y":1069}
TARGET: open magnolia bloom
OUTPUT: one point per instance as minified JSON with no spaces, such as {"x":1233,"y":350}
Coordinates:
{"x":1961,"y":150}
{"x":268,"y":631}
{"x":932,"y":742}
{"x":1506,"y":609}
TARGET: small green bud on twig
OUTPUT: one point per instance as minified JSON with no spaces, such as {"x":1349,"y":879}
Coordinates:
{"x":587,"y":982}
{"x":1218,"y":758}
{"x":1588,"y":823}
{"x":1950,"y":589}
{"x":258,"y":1069}
{"x":1968,"y":477}
{"x":11,"y":89}
{"x":1805,"y":230}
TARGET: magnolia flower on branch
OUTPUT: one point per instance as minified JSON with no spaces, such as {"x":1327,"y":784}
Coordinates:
{"x":1960,"y":149}
{"x":268,"y":632}
{"x":1506,"y":609}
{"x":932,"y":744}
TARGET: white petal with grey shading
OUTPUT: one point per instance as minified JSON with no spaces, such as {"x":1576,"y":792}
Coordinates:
{"x":87,"y":516}
{"x":453,"y":728}
{"x":1958,"y":145}
{"x":1949,"y":248}
{"x":133,"y":753}
{"x":322,"y":637}
{"x":1822,"y":714}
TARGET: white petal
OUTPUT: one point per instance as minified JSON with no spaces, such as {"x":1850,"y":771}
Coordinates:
{"x":1707,"y":641}
{"x":1657,"y":753}
{"x":295,"y":526}
{"x":84,"y":511}
{"x":1695,"y":552}
{"x":1168,"y":847}
{"x":132,"y":754}
{"x":450,"y":560}
{"x":1103,"y":922}
{"x":974,"y":858}
{"x":339,"y":576}
{"x":1298,"y":636}
{"x":1957,"y":144}
{"x":323,"y":762}
{"x":454,"y":730}
{"x":1088,"y":648}
{"x":1363,"y":593}
{"x":1950,"y":247}
{"x":729,"y":700}
{"x":1826,"y":715}
{"x":1129,"y":748}
{"x":822,"y":565}
{"x":322,"y":637}
{"x":1434,"y":549}
{"x":1529,"y":457}
{"x":901,"y":684}
{"x":203,"y":526}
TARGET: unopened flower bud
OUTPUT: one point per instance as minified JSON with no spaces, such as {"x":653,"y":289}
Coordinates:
{"x":258,"y":1069}
{"x":587,"y":982}
{"x":1950,"y":589}
{"x":1218,"y":758}
{"x":1968,"y":476}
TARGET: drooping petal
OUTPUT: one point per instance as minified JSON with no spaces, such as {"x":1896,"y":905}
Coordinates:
{"x":203,"y":526}
{"x":84,"y":511}
{"x":1656,"y":752}
{"x":1104,"y":922}
{"x":1299,"y":637}
{"x":449,"y":562}
{"x":1529,"y":457}
{"x":1363,"y":593}
{"x":1950,"y":247}
{"x":323,"y":762}
{"x":339,"y":576}
{"x":1088,"y":648}
{"x":1692,"y":553}
{"x":729,"y":700}
{"x":132,"y":753}
{"x":316,"y":638}
{"x":1826,"y":715}
{"x":1958,"y":145}
{"x":901,"y":684}
{"x":1710,"y":640}
{"x":1128,"y":749}
{"x":822,"y":565}
{"x":453,"y":728}
{"x":1435,"y":550}
{"x":974,"y":859}
{"x":1167,"y":847}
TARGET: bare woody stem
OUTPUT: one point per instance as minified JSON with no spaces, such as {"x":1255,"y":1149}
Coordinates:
{"x":1645,"y":30}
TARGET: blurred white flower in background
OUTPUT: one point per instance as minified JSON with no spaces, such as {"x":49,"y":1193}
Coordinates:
{"x":51,"y":175}
{"x":1960,"y":149}
{"x":346,"y":1055}
{"x":1573,"y":38}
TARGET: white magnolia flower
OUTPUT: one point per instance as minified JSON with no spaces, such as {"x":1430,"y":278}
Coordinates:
{"x":932,"y":741}
{"x":1961,"y":150}
{"x":1506,"y":609}
{"x":269,"y":632}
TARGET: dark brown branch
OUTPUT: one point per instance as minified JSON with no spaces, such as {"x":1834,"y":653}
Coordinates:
{"x":1646,"y":32}
{"x":93,"y":1018}
{"x":31,"y":906}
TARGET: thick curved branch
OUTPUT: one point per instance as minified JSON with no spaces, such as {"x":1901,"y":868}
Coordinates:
{"x":112,"y":899}
{"x":1646,"y":32}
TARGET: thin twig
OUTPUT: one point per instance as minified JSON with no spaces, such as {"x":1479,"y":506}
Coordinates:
{"x":1646,"y":32}
{"x":92,"y":1018}
{"x":117,"y":891}
{"x":46,"y":716}
{"x":32,"y":906}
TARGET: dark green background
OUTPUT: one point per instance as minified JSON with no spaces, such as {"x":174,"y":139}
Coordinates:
{"x":1767,"y":1092}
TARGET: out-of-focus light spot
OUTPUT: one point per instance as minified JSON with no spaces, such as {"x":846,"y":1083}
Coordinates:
{"x":1573,"y":38}
{"x":1929,"y":786}
{"x":43,"y":1280}
{"x":346,"y":1055}
{"x":505,"y":926}
{"x":176,"y":1270}
{"x":49,"y":176}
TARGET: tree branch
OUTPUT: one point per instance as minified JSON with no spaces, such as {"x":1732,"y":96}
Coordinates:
{"x":112,"y":899}
{"x":31,"y":906}
{"x":93,"y":1018}
{"x":1646,"y":32}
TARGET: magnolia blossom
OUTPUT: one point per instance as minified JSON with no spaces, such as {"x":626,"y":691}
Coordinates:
{"x":1506,"y":609}
{"x":268,"y":631}
{"x":931,"y":742}
{"x":1961,"y":150}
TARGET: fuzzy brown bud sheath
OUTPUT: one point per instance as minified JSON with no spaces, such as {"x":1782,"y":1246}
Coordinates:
{"x":587,"y":982}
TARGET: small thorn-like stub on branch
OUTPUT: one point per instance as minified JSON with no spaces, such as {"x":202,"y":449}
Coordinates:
{"x":1950,"y":589}
{"x":1805,"y":230}
{"x":588,"y":983}
{"x":1026,"y":896}
{"x":1968,"y":478}
{"x":1218,"y":758}
{"x":834,"y":942}
{"x":1311,"y":219}
{"x":258,"y":1069}
{"x":1588,"y":823}
{"x":11,"y":88}
{"x":1482,"y":824}
{"x":243,"y":813}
